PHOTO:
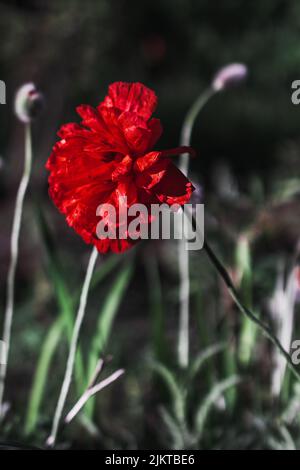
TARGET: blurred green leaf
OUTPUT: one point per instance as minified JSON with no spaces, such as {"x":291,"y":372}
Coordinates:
{"x":178,"y":395}
{"x":41,"y":374}
{"x":105,"y":321}
{"x":63,"y":297}
{"x":244,"y":268}
{"x":212,"y":397}
{"x":173,"y":428}
{"x":285,"y":190}
{"x":67,"y":305}
{"x":285,"y":443}
{"x":204,"y":356}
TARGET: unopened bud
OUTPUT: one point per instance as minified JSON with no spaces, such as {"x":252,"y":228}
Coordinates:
{"x":229,"y":76}
{"x":28,"y":102}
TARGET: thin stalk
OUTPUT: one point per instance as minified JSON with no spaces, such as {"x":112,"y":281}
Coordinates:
{"x":248,"y":331}
{"x":92,"y":390}
{"x":73,"y":346}
{"x":14,"y":244}
{"x":188,"y":124}
{"x":184,"y":305}
{"x":245,"y":310}
{"x":183,"y":254}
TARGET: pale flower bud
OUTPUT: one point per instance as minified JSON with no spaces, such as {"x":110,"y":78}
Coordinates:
{"x":229,"y":76}
{"x":28,"y":102}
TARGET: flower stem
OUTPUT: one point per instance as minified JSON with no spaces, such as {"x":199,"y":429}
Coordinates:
{"x":14,"y":244}
{"x":245,"y":310}
{"x":188,"y":124}
{"x":183,"y":254}
{"x":73,"y":346}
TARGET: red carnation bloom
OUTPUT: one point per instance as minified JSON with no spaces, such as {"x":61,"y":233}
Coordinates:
{"x":109,"y":156}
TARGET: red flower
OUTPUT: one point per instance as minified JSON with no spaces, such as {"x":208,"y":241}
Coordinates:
{"x":109,"y":156}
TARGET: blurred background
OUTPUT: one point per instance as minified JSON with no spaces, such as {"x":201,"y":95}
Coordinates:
{"x":247,"y":167}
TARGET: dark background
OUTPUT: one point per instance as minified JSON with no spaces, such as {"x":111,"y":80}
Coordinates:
{"x":246,"y":138}
{"x":73,"y":50}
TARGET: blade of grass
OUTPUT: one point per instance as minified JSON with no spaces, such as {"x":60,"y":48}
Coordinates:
{"x":65,"y":319}
{"x":248,"y":329}
{"x":212,"y":397}
{"x":204,"y":356}
{"x":40,"y":377}
{"x":63,"y":297}
{"x":49,"y":348}
{"x":105,"y":321}
{"x":265,"y":328}
{"x":173,"y":428}
{"x":69,"y":370}
{"x":66,"y":302}
{"x":104,"y":270}
{"x":176,"y":393}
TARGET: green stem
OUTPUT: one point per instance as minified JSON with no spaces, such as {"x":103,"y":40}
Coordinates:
{"x":183,"y":255}
{"x":73,"y":347}
{"x":15,"y":235}
{"x":188,"y":125}
{"x":245,"y":310}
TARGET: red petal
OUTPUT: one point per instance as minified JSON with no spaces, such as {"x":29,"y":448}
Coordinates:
{"x":133,"y":97}
{"x":156,"y":130}
{"x":139,"y":134}
{"x":173,"y":187}
{"x":161,"y":177}
{"x":153,"y":174}
{"x":146,"y":161}
{"x":107,"y":134}
{"x":122,"y":169}
{"x":90,"y":117}
{"x":72,"y":130}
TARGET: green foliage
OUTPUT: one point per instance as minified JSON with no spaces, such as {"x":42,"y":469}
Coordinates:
{"x":64,"y":323}
{"x":180,"y":387}
{"x":104,"y":325}
{"x":175,"y":47}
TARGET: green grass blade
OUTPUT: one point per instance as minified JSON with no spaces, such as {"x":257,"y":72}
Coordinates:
{"x":173,"y":429}
{"x":64,"y":322}
{"x":205,"y":407}
{"x":248,"y":328}
{"x":105,"y":322}
{"x":63,"y":297}
{"x":176,"y":393}
{"x":203,"y":357}
{"x":106,"y":267}
{"x":41,"y":374}
{"x":50,"y":345}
